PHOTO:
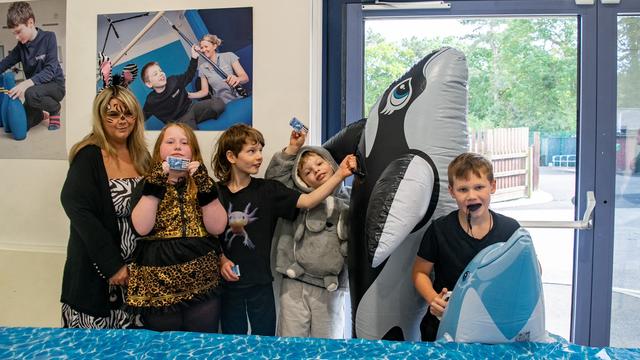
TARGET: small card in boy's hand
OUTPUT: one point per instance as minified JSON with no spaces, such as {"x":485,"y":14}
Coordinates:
{"x":178,"y":164}
{"x":236,"y":269}
{"x":298,"y":126}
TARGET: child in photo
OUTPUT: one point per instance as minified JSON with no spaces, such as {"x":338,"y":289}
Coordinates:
{"x":169,"y":100}
{"x":37,"y":50}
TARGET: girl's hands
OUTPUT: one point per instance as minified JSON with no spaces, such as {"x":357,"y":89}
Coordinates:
{"x":192,"y":167}
{"x":175,"y":176}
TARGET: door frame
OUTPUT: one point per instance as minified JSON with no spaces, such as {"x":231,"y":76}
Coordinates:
{"x":592,"y":269}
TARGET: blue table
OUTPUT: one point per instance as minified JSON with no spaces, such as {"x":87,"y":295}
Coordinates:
{"x":56,"y":343}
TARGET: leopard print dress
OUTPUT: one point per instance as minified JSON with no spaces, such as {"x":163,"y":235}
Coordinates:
{"x":177,"y":263}
{"x":121,"y":190}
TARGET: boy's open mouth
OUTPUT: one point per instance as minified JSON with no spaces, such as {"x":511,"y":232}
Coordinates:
{"x":474,"y":207}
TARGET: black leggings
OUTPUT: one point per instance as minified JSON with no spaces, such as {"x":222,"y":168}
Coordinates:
{"x":199,"y":317}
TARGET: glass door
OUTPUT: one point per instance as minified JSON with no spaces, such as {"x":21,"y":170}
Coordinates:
{"x":531,"y":140}
{"x":531,"y":111}
{"x":625,"y":285}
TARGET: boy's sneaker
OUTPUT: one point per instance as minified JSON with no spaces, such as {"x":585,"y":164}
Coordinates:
{"x":54,"y":121}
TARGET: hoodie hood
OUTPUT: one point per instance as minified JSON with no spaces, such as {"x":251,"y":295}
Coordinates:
{"x":318,"y":150}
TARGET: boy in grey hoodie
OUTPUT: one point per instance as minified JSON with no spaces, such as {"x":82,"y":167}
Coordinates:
{"x":311,"y":251}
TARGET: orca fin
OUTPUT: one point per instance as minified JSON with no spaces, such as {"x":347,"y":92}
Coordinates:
{"x":401,"y":199}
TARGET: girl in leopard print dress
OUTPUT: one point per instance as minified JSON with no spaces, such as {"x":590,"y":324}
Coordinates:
{"x":174,"y":278}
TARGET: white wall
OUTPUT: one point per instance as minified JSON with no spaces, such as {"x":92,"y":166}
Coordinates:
{"x":34,"y":227}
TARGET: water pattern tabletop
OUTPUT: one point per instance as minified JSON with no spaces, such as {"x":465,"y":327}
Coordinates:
{"x":56,"y":343}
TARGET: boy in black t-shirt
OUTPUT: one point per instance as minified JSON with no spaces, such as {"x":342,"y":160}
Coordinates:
{"x":452,"y":241}
{"x":169,"y":100}
{"x":254,"y":206}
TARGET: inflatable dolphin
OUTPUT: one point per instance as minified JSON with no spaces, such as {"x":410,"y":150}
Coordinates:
{"x":404,"y":147}
{"x":498,"y":298}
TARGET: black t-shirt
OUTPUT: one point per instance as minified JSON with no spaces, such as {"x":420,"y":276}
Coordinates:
{"x":253,"y":214}
{"x":450,"y":248}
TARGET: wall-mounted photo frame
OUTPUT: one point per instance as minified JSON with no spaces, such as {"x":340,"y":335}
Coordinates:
{"x":25,"y":131}
{"x":173,"y":92}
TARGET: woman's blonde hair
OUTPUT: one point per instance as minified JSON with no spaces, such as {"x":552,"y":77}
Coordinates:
{"x":233,"y":139}
{"x":212,"y":39}
{"x":135,"y":142}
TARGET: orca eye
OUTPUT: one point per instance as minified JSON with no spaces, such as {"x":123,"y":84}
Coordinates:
{"x":465,"y":276}
{"x":398,"y":97}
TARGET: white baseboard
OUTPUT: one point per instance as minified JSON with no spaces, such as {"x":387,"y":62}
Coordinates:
{"x":33,"y":247}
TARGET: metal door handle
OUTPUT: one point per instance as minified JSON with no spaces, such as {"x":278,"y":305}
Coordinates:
{"x":583,"y":224}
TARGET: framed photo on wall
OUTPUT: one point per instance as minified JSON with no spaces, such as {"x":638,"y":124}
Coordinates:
{"x":26,"y":127}
{"x":193,"y":66}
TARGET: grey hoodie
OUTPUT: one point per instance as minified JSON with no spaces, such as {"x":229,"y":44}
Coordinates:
{"x":314,"y":250}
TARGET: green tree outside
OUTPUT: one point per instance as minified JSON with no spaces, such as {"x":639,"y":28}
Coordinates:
{"x":522,"y":71}
{"x":628,"y":61}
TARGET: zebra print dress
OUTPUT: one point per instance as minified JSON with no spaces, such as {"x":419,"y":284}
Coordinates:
{"x":121,"y":190}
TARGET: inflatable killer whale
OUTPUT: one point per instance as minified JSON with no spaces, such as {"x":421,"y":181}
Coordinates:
{"x":498,"y":298}
{"x":404,"y":147}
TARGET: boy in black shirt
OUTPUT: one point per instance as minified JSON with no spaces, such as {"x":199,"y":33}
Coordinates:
{"x":452,"y":241}
{"x":254,"y":206}
{"x":37,"y":50}
{"x":170,"y":102}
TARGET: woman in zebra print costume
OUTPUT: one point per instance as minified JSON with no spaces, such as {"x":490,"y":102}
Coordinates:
{"x":105,"y":168}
